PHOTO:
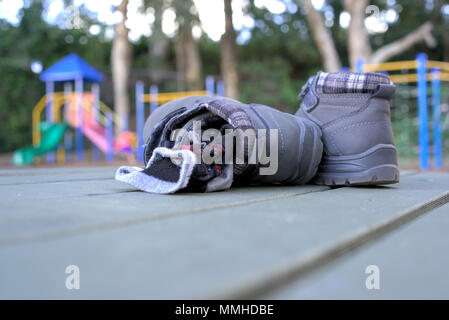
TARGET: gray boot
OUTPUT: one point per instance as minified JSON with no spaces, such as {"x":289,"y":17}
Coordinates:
{"x":353,"y":112}
{"x":288,"y":154}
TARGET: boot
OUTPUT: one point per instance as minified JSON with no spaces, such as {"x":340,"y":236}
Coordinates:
{"x":353,"y":112}
{"x":252,"y":144}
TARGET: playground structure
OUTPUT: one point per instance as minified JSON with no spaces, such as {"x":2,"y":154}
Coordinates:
{"x":95,"y":121}
{"x":425,"y":71}
{"x":90,"y":118}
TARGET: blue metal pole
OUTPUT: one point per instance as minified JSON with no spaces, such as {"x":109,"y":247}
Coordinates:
{"x":79,"y":120}
{"x":210,"y":84}
{"x":359,"y":65}
{"x":109,"y":137}
{"x":68,"y":134}
{"x":49,"y":90}
{"x":436,"y":112}
{"x":95,"y":114}
{"x":220,"y":88}
{"x":421,"y":60}
{"x":140,"y":119}
{"x":154,"y":90}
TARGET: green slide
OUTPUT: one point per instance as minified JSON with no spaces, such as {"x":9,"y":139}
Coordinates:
{"x":51,"y":136}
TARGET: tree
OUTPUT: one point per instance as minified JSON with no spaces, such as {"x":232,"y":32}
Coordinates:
{"x":228,"y":49}
{"x":322,"y":38}
{"x":158,"y":42}
{"x":188,"y":61}
{"x":121,"y":64}
{"x":358,"y":39}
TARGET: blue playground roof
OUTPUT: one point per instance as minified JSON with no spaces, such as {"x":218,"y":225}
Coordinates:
{"x":70,"y":68}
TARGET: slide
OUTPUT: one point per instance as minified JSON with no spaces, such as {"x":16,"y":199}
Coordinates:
{"x":91,"y":128}
{"x":52,"y":135}
{"x":94,"y":130}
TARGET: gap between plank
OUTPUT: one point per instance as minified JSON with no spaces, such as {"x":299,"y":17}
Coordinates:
{"x":304,"y":266}
{"x":56,"y":181}
{"x":49,"y":172}
{"x":129,"y":222}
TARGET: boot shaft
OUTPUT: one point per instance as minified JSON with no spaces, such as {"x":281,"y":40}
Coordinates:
{"x":352,"y":119}
{"x":353,"y":112}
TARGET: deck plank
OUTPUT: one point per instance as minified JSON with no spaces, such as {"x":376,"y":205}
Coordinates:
{"x":217,"y":252}
{"x":58,"y":209}
{"x":413,"y":264}
{"x":37,"y":176}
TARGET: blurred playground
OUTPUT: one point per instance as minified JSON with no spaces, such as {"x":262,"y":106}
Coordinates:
{"x":83,"y":100}
{"x":78,"y":79}
{"x":63,"y":121}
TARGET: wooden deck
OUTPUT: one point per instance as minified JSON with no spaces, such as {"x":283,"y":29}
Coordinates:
{"x":259,"y":242}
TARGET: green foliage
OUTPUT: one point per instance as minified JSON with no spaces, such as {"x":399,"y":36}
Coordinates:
{"x":268,"y":82}
{"x":273,"y":64}
{"x":20,"y":89}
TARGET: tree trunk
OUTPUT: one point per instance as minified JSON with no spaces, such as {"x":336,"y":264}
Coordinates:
{"x":193,"y":62}
{"x":180,"y":62}
{"x":188,"y":61}
{"x":358,"y":41}
{"x":158,"y":45}
{"x":446,"y":47}
{"x":322,"y":38}
{"x":229,"y":60}
{"x":121,"y":63}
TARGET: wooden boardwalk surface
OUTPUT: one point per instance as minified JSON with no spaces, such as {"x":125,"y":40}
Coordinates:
{"x":256,"y":242}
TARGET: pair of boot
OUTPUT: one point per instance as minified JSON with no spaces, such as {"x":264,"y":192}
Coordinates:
{"x":341,"y":135}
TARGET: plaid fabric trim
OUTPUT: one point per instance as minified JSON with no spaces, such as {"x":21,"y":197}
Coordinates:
{"x":350,"y":82}
{"x":239,"y":119}
{"x":232,"y":113}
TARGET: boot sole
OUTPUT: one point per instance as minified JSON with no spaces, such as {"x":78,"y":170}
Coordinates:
{"x":376,"y":166}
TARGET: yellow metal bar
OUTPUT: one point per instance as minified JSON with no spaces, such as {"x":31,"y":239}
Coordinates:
{"x":400,"y":78}
{"x":169,"y":96}
{"x":36,"y":117}
{"x":60,"y":155}
{"x":413,"y":77}
{"x":403,"y":65}
{"x":390,"y":66}
{"x":59,"y":101}
{"x":444,"y":76}
{"x":438,"y":64}
{"x":105,"y":110}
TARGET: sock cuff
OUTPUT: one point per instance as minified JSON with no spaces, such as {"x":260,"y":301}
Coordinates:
{"x":167,"y":171}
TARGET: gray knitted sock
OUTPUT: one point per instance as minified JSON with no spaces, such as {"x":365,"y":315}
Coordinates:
{"x":168,"y":171}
